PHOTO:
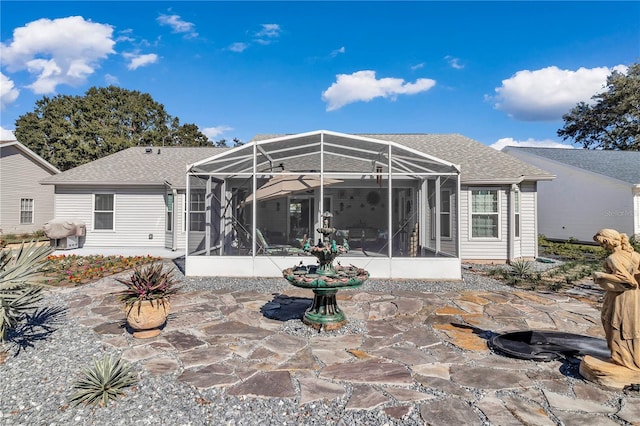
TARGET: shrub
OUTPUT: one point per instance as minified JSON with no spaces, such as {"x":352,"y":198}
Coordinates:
{"x":17,"y":295}
{"x":522,"y":268}
{"x":104,"y":381}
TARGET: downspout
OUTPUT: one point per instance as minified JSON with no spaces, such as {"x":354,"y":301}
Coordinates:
{"x":174,"y":230}
{"x":512,"y":223}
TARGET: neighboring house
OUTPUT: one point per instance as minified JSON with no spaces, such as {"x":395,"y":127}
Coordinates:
{"x":594,"y":189}
{"x":133,"y":198}
{"x":25,"y":205}
{"x":411,"y":205}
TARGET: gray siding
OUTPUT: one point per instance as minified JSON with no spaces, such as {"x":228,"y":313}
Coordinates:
{"x":527,"y":245}
{"x":19,"y":178}
{"x":578,"y":203}
{"x":139,"y":213}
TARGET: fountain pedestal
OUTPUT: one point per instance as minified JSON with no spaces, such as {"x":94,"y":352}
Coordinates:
{"x":325,"y":280}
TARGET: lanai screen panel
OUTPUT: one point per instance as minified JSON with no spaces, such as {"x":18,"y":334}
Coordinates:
{"x":404,"y":160}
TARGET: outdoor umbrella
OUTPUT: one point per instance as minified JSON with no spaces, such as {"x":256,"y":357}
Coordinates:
{"x":283,"y":185}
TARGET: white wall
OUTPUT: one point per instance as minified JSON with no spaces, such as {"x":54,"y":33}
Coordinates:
{"x":19,"y":178}
{"x":484,"y":248}
{"x":578,"y":203}
{"x":139,"y":213}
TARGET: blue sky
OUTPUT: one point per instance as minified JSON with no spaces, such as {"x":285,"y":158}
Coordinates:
{"x":497,"y":72}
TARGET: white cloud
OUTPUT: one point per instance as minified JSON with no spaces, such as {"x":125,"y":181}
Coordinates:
{"x":336,"y":52}
{"x":417,"y":66}
{"x":178,"y":25}
{"x":548,"y":93}
{"x":8,"y":91}
{"x":269,"y":31}
{"x":238,"y":47}
{"x":454,"y":62}
{"x":6,"y":135}
{"x":136,"y":61}
{"x":363,"y":86}
{"x":212,"y":132}
{"x":546,"y":143}
{"x":111,"y":79}
{"x":59,"y":51}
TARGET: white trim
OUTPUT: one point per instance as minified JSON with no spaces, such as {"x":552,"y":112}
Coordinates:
{"x":33,"y":211}
{"x":93,"y":212}
{"x":498,"y":213}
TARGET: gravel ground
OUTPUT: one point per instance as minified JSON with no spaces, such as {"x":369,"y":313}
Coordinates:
{"x":51,"y":351}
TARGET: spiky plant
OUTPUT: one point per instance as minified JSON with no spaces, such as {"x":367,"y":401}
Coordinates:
{"x":104,"y":381}
{"x":17,"y":295}
{"x":522,"y":268}
{"x":153,"y":283}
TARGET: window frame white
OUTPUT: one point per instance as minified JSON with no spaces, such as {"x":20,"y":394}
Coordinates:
{"x":113,"y":212}
{"x":448,"y":193}
{"x":169,"y":212}
{"x":199,"y":212}
{"x":497,"y":214}
{"x":31,"y":210}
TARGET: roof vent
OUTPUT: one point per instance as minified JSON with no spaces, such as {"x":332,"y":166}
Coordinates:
{"x":148,"y":150}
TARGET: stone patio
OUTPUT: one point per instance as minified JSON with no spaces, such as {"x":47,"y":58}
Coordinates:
{"x":421,"y":351}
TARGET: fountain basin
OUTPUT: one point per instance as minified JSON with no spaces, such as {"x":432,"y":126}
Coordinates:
{"x":325,"y":313}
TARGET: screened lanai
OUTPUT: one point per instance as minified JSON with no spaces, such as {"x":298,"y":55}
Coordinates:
{"x":251,"y":209}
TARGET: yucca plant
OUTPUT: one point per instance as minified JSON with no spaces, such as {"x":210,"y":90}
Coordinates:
{"x":104,"y":381}
{"x":17,"y":295}
{"x":522,"y":268}
{"x":153,"y":283}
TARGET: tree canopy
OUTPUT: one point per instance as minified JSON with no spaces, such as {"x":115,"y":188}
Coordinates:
{"x":613,"y":120}
{"x":68,"y":131}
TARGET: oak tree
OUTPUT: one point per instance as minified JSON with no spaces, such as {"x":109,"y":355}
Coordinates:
{"x":68,"y":131}
{"x":612,"y":121}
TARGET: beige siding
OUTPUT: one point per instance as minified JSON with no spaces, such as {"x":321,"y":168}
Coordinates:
{"x":483,"y":249}
{"x":139,"y":213}
{"x":19,"y":178}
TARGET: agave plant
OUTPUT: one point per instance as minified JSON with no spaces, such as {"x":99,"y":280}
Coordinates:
{"x":104,"y":381}
{"x":153,"y":283}
{"x":17,"y":295}
{"x":522,"y":268}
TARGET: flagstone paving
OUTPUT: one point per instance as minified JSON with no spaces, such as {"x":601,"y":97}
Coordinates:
{"x":421,"y":353}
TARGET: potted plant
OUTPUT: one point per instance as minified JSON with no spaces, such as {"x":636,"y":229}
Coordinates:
{"x":146,"y":298}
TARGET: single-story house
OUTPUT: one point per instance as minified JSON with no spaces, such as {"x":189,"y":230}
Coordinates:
{"x":409,"y":205}
{"x":593,"y":189}
{"x":25,"y":205}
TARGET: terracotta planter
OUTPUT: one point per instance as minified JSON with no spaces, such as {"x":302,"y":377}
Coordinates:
{"x":146,"y":317}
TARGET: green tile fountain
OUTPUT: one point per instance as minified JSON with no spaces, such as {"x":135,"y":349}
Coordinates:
{"x":325,"y":279}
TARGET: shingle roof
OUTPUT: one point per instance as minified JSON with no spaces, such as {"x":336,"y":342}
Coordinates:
{"x":136,"y":166}
{"x":621,"y":165}
{"x":478,"y":162}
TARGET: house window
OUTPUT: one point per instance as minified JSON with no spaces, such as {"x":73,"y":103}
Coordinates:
{"x":103,"y":212}
{"x":484,"y":213}
{"x":445,"y":213}
{"x":197,"y":216}
{"x":516,"y":208}
{"x":169,"y":212}
{"x":26,"y":211}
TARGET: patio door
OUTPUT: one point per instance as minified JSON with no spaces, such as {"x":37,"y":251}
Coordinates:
{"x":303,"y":218}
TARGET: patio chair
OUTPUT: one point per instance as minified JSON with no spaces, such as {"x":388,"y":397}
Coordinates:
{"x":278,"y":249}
